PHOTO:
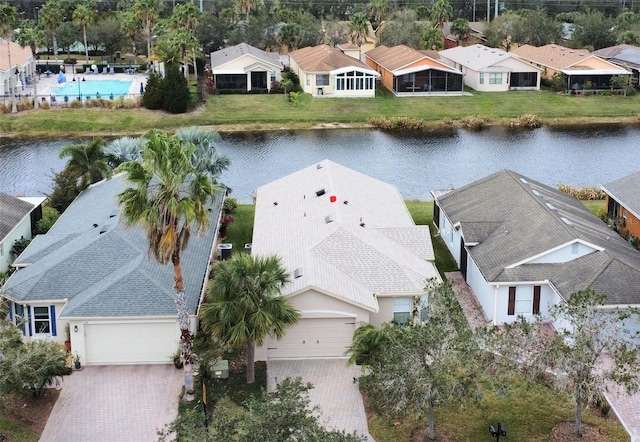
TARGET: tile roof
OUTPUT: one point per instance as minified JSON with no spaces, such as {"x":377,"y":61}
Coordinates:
{"x":479,"y":57}
{"x":223,"y":56}
{"x":102,"y":267}
{"x":363,"y":243}
{"x":514,"y":218}
{"x":398,"y":57}
{"x":19,"y":55}
{"x":12,"y":211}
{"x":324,"y":58}
{"x":626,"y":191}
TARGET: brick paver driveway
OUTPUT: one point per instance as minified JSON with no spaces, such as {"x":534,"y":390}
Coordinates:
{"x":334,"y":390}
{"x":115,"y":403}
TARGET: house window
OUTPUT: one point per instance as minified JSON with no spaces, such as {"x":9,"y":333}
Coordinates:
{"x":575,"y":248}
{"x":41,"y":321}
{"x":322,"y":80}
{"x":401,"y":310}
{"x":308,"y":79}
{"x":524,"y":301}
{"x":495,"y":78}
{"x":481,"y":77}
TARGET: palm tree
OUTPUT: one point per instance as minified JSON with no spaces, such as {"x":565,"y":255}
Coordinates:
{"x":378,"y":9}
{"x":244,"y":304}
{"x":33,"y":36}
{"x":358,"y":27}
{"x":87,"y":160}
{"x":441,"y":12}
{"x":131,"y":28}
{"x":186,"y":16}
{"x":168,"y":198}
{"x":51,"y":16}
{"x":432,"y":38}
{"x":245,"y":6}
{"x":461,"y":28}
{"x":84,"y":16}
{"x":167,"y":51}
{"x":122,"y":150}
{"x":186,"y":43}
{"x":148,"y":12}
{"x":8,"y":21}
{"x":204,"y":157}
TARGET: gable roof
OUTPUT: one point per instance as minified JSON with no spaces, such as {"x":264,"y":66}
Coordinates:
{"x":613,"y":51}
{"x":569,"y":61}
{"x":626,"y":191}
{"x":19,"y":55}
{"x":224,"y":56}
{"x":513,"y":218}
{"x":364,"y":243}
{"x":396,"y":58}
{"x":12,"y":211}
{"x":324,"y":58}
{"x":622,"y":55}
{"x":101,"y":267}
{"x":479,"y":57}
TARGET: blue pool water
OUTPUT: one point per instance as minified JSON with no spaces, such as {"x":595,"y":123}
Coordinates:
{"x":90,"y":88}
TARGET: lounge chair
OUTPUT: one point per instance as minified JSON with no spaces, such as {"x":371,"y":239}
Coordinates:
{"x":105,"y":70}
{"x":95,"y":70}
{"x":87,"y":70}
{"x":112,"y":70}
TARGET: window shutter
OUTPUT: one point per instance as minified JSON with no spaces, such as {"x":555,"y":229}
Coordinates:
{"x":20,"y":312}
{"x":29,"y":322}
{"x":10,"y":304}
{"x":536,"y":299}
{"x":52,"y":312}
{"x":511,"y":309}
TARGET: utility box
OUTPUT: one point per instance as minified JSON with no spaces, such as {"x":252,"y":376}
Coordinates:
{"x":247,"y":248}
{"x":219,"y":370}
{"x":224,"y":251}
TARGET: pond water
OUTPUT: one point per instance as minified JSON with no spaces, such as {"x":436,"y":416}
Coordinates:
{"x":415,"y":163}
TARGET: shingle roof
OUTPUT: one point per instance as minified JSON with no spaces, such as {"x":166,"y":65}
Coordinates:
{"x":479,"y":57}
{"x":626,"y":191}
{"x":223,"y":56}
{"x":365,"y":242}
{"x":613,"y":51}
{"x":102,"y":267}
{"x":19,"y":55}
{"x":12,"y":211}
{"x":514,"y":218}
{"x":560,"y":58}
{"x":398,"y":57}
{"x":324,"y":58}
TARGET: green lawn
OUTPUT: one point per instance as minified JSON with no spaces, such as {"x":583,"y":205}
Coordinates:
{"x":240,"y":231}
{"x":247,"y":112}
{"x":15,"y":432}
{"x":595,"y":206}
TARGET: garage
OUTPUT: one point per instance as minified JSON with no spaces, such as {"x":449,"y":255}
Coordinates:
{"x":314,"y":338}
{"x":131,"y":342}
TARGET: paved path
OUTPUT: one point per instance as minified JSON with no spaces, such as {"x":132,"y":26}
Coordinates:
{"x":115,"y":403}
{"x":334,"y":390}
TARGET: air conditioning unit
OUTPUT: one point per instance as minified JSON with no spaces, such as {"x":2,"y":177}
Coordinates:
{"x":224,"y":251}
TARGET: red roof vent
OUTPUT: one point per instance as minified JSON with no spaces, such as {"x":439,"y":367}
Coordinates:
{"x":333,"y":198}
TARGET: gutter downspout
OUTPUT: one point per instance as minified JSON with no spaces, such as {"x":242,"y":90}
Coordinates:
{"x":495,"y":304}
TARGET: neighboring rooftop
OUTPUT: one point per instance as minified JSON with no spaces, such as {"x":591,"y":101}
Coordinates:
{"x":477,"y":57}
{"x":223,"y":56}
{"x":398,"y":57}
{"x":19,"y":55}
{"x":324,"y":58}
{"x":12,"y":211}
{"x":626,"y":191}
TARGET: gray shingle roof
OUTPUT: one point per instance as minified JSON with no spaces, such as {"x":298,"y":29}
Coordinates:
{"x":102,"y":267}
{"x":223,"y":56}
{"x":371,"y":244}
{"x":12,"y":211}
{"x":626,"y":191}
{"x":514,"y":218}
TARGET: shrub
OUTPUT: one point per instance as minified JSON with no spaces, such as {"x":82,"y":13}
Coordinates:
{"x":5,"y":108}
{"x":153,"y":97}
{"x":230,"y":205}
{"x":398,"y":123}
{"x":45,"y":105}
{"x":19,"y":245}
{"x":210,"y":86}
{"x":49,"y":217}
{"x":447,"y":122}
{"x":529,"y":120}
{"x":75,"y":104}
{"x":475,"y":122}
{"x":25,"y":104}
{"x":175,"y":91}
{"x":583,"y":193}
{"x":226,"y":220}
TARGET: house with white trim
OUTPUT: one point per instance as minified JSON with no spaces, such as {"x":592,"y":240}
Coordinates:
{"x":523,"y":247}
{"x":352,"y":249}
{"x":623,"y":203}
{"x":92,"y":273}
{"x":14,"y":75}
{"x":18,"y":218}
{"x":245,"y":68}
{"x":492,"y":70}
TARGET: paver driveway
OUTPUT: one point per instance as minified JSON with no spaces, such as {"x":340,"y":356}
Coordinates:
{"x":115,"y":403}
{"x":334,"y":391}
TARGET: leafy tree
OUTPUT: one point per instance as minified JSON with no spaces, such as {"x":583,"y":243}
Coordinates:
{"x":416,"y":368}
{"x":244,"y":304}
{"x":131,"y":28}
{"x":51,"y":17}
{"x":290,"y":34}
{"x":627,"y":83}
{"x":169,"y":199}
{"x":336,"y":32}
{"x":378,"y":9}
{"x":107,"y":32}
{"x":403,"y":28}
{"x":629,"y":37}
{"x":67,"y":33}
{"x":593,"y":28}
{"x":175,"y":91}
{"x":358,"y":28}
{"x":461,"y":28}
{"x":153,"y":93}
{"x":19,"y":245}
{"x":441,"y":12}
{"x":432,"y":38}
{"x":587,"y":353}
{"x":84,"y":16}
{"x":500,"y":32}
{"x":148,"y":12}
{"x":536,"y":28}
{"x":87,"y":161}
{"x":65,"y":189}
{"x":49,"y":217}
{"x":32,"y":36}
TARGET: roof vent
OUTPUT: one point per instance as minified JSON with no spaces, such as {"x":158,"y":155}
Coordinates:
{"x":361,"y":224}
{"x":524,"y":181}
{"x":346,"y":202}
{"x":297,"y":273}
{"x":551,"y":207}
{"x":95,"y":225}
{"x":319,"y":166}
{"x":275,"y":203}
{"x":567,"y":221}
{"x":536,"y":193}
{"x":112,"y":215}
{"x":328,"y":219}
{"x":320,"y":192}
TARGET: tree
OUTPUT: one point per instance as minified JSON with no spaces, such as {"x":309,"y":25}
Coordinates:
{"x":244,"y":304}
{"x":185,"y":17}
{"x":87,"y":160}
{"x":65,"y":189}
{"x":108,"y":34}
{"x":441,"y":12}
{"x":404,"y":28}
{"x":175,"y":91}
{"x":245,"y":6}
{"x":169,"y":199}
{"x":67,"y":36}
{"x":415,"y":368}
{"x":148,"y":12}
{"x":131,"y":28}
{"x":122,"y":150}
{"x":588,"y":351}
{"x":500,"y":32}
{"x":204,"y":157}
{"x":461,"y":28}
{"x":378,"y":9}
{"x":432,"y":38}
{"x":358,"y":28}
{"x":84,"y":16}
{"x":629,"y":37}
{"x":290,"y":35}
{"x":8,"y":21}
{"x":32,"y":36}
{"x":152,"y":97}
{"x":593,"y":28}
{"x":51,"y":17}
{"x":536,"y":28}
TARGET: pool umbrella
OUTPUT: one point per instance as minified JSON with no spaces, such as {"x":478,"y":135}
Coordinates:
{"x":141,"y":88}
{"x":46,"y":68}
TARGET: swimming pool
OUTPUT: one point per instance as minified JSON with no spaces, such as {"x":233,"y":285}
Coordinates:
{"x":91,"y":88}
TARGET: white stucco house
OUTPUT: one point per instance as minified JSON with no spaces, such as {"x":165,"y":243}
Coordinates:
{"x":354,"y":254}
{"x":15,"y":74}
{"x":523,"y":246}
{"x":93,"y":273}
{"x":245,"y":68}
{"x":18,"y":218}
{"x":492,"y":70}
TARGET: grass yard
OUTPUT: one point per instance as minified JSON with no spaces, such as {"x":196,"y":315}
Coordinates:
{"x":240,"y":231}
{"x":595,"y":205}
{"x":15,"y":432}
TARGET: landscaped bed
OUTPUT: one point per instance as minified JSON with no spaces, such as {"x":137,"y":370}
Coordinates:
{"x":24,"y":417}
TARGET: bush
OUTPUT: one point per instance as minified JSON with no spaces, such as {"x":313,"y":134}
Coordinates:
{"x":175,"y":91}
{"x":49,"y":217}
{"x":398,"y":123}
{"x":475,"y":122}
{"x":230,"y":205}
{"x":45,"y":105}
{"x":447,"y":122}
{"x":153,"y":96}
{"x":529,"y":120}
{"x":25,"y":104}
{"x":18,"y":246}
{"x":583,"y":193}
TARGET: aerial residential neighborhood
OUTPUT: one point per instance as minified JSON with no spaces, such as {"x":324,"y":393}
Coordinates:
{"x":369,"y":221}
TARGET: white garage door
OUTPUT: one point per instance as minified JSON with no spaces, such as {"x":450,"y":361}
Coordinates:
{"x":131,"y":343}
{"x":314,"y":338}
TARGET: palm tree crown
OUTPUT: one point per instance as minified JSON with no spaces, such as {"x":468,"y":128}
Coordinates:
{"x":87,"y":160}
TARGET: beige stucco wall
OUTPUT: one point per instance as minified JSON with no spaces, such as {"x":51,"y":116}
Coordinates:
{"x":385,"y":314}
